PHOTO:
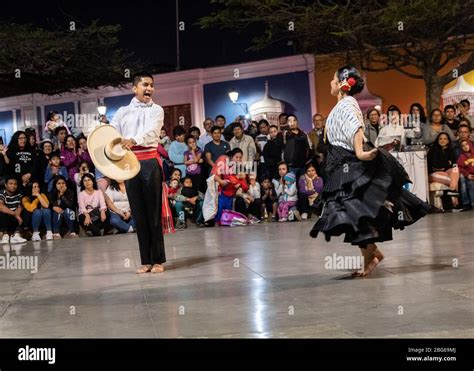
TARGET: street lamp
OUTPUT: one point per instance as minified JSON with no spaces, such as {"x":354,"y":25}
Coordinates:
{"x":102,"y":109}
{"x":234,"y":96}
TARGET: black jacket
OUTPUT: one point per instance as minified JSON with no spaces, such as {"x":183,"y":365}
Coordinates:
{"x":296,"y":148}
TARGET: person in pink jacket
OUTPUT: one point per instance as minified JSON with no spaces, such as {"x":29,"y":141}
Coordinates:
{"x":71,"y":157}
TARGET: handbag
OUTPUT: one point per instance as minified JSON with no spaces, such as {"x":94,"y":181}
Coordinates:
{"x":94,"y":214}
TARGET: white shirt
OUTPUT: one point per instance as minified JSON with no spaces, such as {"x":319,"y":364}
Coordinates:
{"x":388,"y":132}
{"x":141,"y":122}
{"x":343,"y":122}
{"x":119,"y":199}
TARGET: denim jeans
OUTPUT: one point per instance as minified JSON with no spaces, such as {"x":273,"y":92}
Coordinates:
{"x":180,"y":212}
{"x":467,"y":191}
{"x":68,"y":215}
{"x":121,"y":225}
{"x":41,"y":215}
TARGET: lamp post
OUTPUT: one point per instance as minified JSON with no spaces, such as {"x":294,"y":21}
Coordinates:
{"x":234,"y":96}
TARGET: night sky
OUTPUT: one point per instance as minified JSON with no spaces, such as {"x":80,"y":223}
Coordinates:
{"x":148,"y":30}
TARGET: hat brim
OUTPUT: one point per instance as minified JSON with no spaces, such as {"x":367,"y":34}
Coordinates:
{"x":124,"y":169}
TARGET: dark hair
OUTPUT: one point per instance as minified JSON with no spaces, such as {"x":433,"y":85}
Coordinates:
{"x":422,"y":111}
{"x":263,"y":122}
{"x":82,"y":163}
{"x":266,"y":177}
{"x":177,"y":169}
{"x":282,"y":114}
{"x":433,"y":111}
{"x":308,"y":165}
{"x":283,"y":163}
{"x":237,"y":125}
{"x":114,"y":185}
{"x":449,"y":106}
{"x":394,"y":108}
{"x":273,"y":126}
{"x":466,"y":120}
{"x":219,"y":117}
{"x":30,"y":134}
{"x":29,"y":189}
{"x":372,"y":110}
{"x":194,"y":128}
{"x":70,"y":136}
{"x":186,"y":178}
{"x":465,"y":101}
{"x":138,"y":77}
{"x":58,"y":129}
{"x":189,"y":136}
{"x":296,"y":118}
{"x":14,"y":146}
{"x":435,"y":143}
{"x":233,"y":152}
{"x":11,"y":177}
{"x":178,"y":130}
{"x":55,"y":154}
{"x":347,"y":71}
{"x":54,"y":191}
{"x":215,"y":127}
{"x":91,"y":177}
{"x":50,"y":115}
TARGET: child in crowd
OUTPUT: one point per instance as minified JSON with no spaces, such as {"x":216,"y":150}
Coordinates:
{"x":287,"y":193}
{"x":54,"y":122}
{"x":466,"y":168}
{"x":252,"y":199}
{"x":310,"y":185}
{"x":269,"y":199}
{"x":188,"y":200}
{"x":173,"y":191}
{"x":165,"y":140}
{"x":54,"y":168}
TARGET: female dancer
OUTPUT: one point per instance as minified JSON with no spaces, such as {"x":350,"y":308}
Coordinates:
{"x":364,"y":195}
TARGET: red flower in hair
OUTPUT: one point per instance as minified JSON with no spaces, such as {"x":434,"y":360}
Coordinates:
{"x":351,"y":81}
{"x":345,"y":87}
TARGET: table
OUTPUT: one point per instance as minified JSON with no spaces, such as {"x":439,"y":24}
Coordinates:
{"x":415,"y":164}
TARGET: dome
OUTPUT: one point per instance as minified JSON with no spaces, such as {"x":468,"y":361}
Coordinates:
{"x":267,"y":104}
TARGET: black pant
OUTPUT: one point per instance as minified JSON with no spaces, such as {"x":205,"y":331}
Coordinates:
{"x":144,"y":195}
{"x":196,"y":179}
{"x":95,"y":227}
{"x":8,"y":223}
{"x":255,"y":208}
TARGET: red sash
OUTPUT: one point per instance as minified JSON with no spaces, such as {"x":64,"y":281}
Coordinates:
{"x":147,"y":153}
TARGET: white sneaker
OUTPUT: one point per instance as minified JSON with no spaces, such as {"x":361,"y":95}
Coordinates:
{"x":291,"y":216}
{"x":5,"y":238}
{"x":49,"y":235}
{"x":36,"y":236}
{"x":130,"y":230}
{"x":304,"y":216}
{"x":282,"y":220}
{"x":17,"y":239}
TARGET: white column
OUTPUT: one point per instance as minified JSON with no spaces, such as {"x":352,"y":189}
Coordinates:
{"x":310,"y":67}
{"x":15,"y":123}
{"x":198,"y":106}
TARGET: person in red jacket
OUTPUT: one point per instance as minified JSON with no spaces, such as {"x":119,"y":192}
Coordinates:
{"x":465,"y":163}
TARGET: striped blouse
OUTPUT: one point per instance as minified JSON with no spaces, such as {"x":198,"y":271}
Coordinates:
{"x":343,"y":122}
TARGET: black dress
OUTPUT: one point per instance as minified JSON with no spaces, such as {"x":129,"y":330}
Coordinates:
{"x":365,"y":199}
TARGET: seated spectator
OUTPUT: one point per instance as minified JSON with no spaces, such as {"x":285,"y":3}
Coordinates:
{"x":10,"y":212}
{"x":249,"y":203}
{"x":193,"y":159}
{"x":60,"y":137}
{"x":464,"y":133}
{"x":46,"y":148}
{"x":287,"y":193}
{"x":102,"y":181}
{"x":392,"y":135}
{"x":36,"y":205}
{"x":465,"y":163}
{"x":215,"y":148}
{"x":165,"y":140}
{"x":120,"y":213}
{"x":92,"y":207}
{"x":21,"y":160}
{"x":269,"y":199}
{"x":83,"y":169}
{"x":310,"y":185}
{"x":54,"y":168}
{"x":450,"y":118}
{"x":442,"y":166}
{"x":188,"y":201}
{"x":272,"y":154}
{"x":63,"y":204}
{"x":177,"y":149}
{"x":435,"y":127}
{"x":83,"y":152}
{"x":175,"y":175}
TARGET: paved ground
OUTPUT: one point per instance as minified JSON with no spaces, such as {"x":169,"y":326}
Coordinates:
{"x":265,"y":280}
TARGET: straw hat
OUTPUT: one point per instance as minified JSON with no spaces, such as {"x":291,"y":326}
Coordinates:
{"x":108,"y":156}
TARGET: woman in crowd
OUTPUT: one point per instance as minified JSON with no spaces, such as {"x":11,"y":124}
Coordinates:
{"x":22,"y":160}
{"x":119,"y":207}
{"x":92,"y":207}
{"x":442,"y":167}
{"x":46,"y":148}
{"x":392,"y":135}
{"x":436,"y":126}
{"x":416,"y":121}
{"x":310,"y":185}
{"x":36,"y":207}
{"x":83,"y":152}
{"x":372,"y":128}
{"x":71,"y":157}
{"x":63,"y":203}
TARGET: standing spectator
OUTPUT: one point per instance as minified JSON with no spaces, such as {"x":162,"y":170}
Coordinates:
{"x":54,"y":168}
{"x":260,"y":141}
{"x":83,"y":152}
{"x":316,"y":134}
{"x":272,"y":154}
{"x":295,"y":147}
{"x":63,"y":204}
{"x":372,"y":128}
{"x":245,"y":143}
{"x":46,"y":146}
{"x":436,"y":126}
{"x":464,"y":107}
{"x":465,"y":163}
{"x":464,"y":133}
{"x":310,"y":185}
{"x":216,"y":148}
{"x":177,"y":149}
{"x":10,"y":212}
{"x":392,"y":135}
{"x":220,"y":121}
{"x":193,"y":161}
{"x":165,"y":140}
{"x":282,"y":122}
{"x":92,"y":207}
{"x":195,"y":132}
{"x":120,"y":213}
{"x":207,"y":136}
{"x":52,"y":124}
{"x":416,"y":121}
{"x":450,"y":118}
{"x":36,"y":205}
{"x":71,"y":157}
{"x":60,"y":137}
{"x":21,"y":159}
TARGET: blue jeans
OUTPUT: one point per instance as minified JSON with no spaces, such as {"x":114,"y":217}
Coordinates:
{"x":68,"y":215}
{"x":180,"y":212}
{"x":467,"y":191}
{"x":121,"y":225}
{"x":224,"y":203}
{"x":40,"y":215}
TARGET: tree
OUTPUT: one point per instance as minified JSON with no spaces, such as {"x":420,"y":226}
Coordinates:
{"x":432,"y":40}
{"x":37,"y":60}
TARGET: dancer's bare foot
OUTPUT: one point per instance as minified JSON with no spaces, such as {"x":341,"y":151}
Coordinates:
{"x":372,"y":256}
{"x":144,"y":269}
{"x":157,"y":268}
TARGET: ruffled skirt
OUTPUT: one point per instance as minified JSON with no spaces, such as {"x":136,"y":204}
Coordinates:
{"x":365,"y":200}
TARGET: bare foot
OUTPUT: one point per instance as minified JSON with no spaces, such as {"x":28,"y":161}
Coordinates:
{"x":157,"y":268}
{"x":144,"y":269}
{"x":372,"y":257}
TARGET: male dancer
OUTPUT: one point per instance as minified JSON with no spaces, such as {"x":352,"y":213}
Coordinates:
{"x":140,"y":123}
